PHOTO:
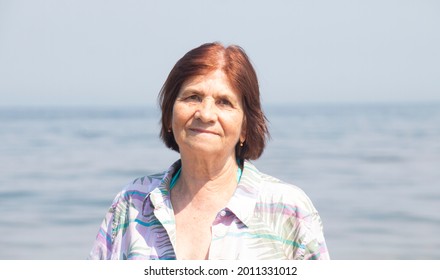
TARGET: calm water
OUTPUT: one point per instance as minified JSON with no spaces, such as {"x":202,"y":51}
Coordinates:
{"x":373,"y":172}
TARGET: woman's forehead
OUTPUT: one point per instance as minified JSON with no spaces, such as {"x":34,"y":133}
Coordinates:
{"x":216,"y":78}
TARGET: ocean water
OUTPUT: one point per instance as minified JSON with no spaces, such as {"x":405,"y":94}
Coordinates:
{"x":372,"y":171}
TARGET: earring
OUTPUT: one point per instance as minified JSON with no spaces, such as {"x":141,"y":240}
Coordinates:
{"x":241,"y":144}
{"x":169,"y":130}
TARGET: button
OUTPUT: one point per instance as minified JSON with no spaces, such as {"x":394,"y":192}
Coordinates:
{"x":223,"y":213}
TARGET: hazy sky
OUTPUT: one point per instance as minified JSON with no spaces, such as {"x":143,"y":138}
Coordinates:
{"x":104,"y":52}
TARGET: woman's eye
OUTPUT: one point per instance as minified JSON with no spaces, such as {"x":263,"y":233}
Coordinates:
{"x":193,"y":98}
{"x":225,"y":102}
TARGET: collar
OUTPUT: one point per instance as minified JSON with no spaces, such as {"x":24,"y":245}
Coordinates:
{"x":242,"y":202}
{"x":159,"y":196}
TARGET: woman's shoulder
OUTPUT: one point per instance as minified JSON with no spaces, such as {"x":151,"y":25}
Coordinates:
{"x":143,"y":185}
{"x":274,"y":190}
{"x":277,"y":185}
{"x":284,"y":191}
{"x":137,"y":190}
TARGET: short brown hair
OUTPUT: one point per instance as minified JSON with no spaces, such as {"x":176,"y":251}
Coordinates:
{"x":235,"y":63}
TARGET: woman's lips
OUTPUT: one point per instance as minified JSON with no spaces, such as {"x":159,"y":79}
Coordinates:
{"x":200,"y":130}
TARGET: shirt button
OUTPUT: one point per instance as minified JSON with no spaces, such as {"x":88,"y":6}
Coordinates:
{"x":223,"y":213}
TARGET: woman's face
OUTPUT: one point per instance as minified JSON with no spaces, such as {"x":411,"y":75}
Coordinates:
{"x":208,"y":116}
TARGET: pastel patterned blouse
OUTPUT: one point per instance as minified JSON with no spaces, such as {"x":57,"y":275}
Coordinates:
{"x":264,"y":219}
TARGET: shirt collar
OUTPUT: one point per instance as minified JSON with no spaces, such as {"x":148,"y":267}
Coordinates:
{"x":160,"y":196}
{"x":243,"y":202}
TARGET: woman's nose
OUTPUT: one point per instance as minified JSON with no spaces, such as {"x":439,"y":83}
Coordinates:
{"x":206,"y":111}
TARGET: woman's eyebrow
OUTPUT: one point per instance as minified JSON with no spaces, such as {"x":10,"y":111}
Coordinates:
{"x":191,"y":91}
{"x":229,"y":96}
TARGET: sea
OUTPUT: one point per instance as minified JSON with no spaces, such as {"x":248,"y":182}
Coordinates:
{"x":372,"y":171}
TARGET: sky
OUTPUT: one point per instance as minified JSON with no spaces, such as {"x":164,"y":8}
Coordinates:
{"x":118,"y":53}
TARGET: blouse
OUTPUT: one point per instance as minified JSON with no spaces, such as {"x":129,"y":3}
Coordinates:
{"x":265,"y":219}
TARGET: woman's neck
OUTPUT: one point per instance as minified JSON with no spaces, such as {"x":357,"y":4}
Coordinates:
{"x":206,"y":183}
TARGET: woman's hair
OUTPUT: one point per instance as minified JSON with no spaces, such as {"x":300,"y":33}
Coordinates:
{"x":234,"y":62}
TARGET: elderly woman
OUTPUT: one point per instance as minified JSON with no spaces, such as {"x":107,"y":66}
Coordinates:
{"x":213,"y":203}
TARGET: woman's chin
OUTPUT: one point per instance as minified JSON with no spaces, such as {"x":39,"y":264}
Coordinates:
{"x":203,"y":148}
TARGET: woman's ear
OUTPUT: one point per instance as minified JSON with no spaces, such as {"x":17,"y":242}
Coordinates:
{"x":243,"y":131}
